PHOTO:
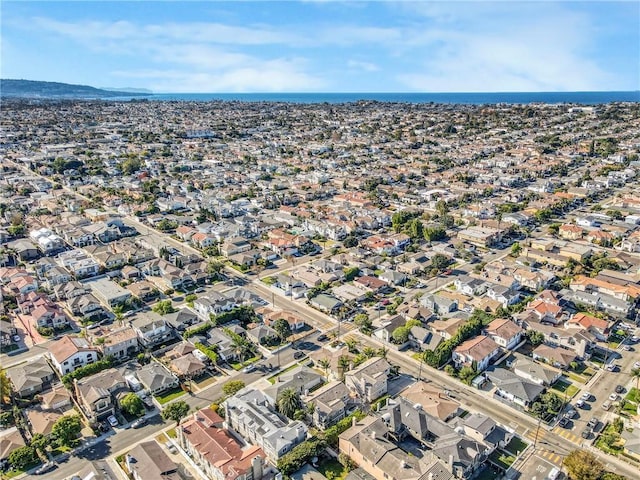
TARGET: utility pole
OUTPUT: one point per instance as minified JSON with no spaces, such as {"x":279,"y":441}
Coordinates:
{"x":535,"y":440}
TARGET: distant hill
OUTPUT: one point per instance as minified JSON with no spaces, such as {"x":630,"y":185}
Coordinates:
{"x":37,"y":89}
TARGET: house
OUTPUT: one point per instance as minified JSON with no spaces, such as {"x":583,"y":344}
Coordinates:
{"x":505,"y":332}
{"x":156,"y":378}
{"x":182,"y":319}
{"x":119,"y":343}
{"x":369,"y":445}
{"x":512,"y":388}
{"x":41,"y":421}
{"x":108,"y":292}
{"x":216,"y":451}
{"x":481,"y":236}
{"x":569,"y":231}
{"x":249,"y":414}
{"x":439,"y":303}
{"x":535,"y":372}
{"x":148,"y":461}
{"x":213,"y":303}
{"x":470,"y":286}
{"x":58,"y":398}
{"x":482,"y":428}
{"x":31,"y":377}
{"x":326,"y":303}
{"x":433,"y":400}
{"x":143,"y":290}
{"x":369,"y":380}
{"x":10,"y":439}
{"x":477,"y":351}
{"x":70,"y":353}
{"x":223,"y":344}
{"x":599,"y":327}
{"x":85,"y":306}
{"x":331,"y":402}
{"x":301,"y":379}
{"x":261,"y":332}
{"x":294,"y":320}
{"x":187,"y":366}
{"x":393,"y":278}
{"x":557,"y":356}
{"x":152,"y":329}
{"x":97,"y":395}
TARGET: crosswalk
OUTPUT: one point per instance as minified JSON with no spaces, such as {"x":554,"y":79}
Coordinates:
{"x":568,"y":434}
{"x":551,"y":457}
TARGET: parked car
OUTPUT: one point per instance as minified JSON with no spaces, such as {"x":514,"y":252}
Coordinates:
{"x":113,"y":421}
{"x":580,"y":404}
{"x":45,"y":468}
{"x":249,"y":368}
{"x":610,"y":367}
{"x":586,"y":396}
{"x":606,"y":405}
{"x":571,"y":413}
{"x":613,"y":397}
{"x":636,"y":365}
{"x":619,"y":389}
{"x":563,"y":422}
{"x":139,"y":423}
{"x":16,"y":338}
{"x":323,"y":338}
{"x":586,"y":433}
{"x":593,"y":423}
{"x":298,"y":355}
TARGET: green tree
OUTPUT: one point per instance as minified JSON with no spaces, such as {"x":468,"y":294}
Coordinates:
{"x":39,"y":442}
{"x":282,"y":328}
{"x":442,"y":208}
{"x":400,"y":335}
{"x":516,"y":249}
{"x":232,"y":387}
{"x":66,"y":430}
{"x":351,"y":273}
{"x":324,"y":364}
{"x":132,"y":404}
{"x":467,"y":374}
{"x":450,"y":370}
{"x":22,"y":457}
{"x":364,"y":323}
{"x":440,"y":261}
{"x":352,"y":345}
{"x":534,"y":337}
{"x":635,"y":374}
{"x":214,"y":267}
{"x":5,"y":387}
{"x":163,"y":307}
{"x":416,"y":229}
{"x":289,"y":402}
{"x":344,"y":363}
{"x":176,"y":411}
{"x":583,"y":465}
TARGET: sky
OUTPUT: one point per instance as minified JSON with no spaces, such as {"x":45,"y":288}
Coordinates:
{"x":325,"y":46}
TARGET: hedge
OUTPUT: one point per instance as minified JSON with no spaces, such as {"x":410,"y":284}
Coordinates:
{"x":87,"y":370}
{"x":301,"y":454}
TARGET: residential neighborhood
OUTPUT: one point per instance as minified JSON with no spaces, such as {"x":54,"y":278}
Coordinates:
{"x":355,"y":291}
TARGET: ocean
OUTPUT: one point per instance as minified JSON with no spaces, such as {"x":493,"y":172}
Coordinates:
{"x":584,"y":98}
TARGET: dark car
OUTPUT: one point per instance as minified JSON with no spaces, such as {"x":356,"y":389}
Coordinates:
{"x":563,"y":422}
{"x":323,"y":338}
{"x":593,"y":422}
{"x":586,"y":433}
{"x":298,"y":355}
{"x":619,"y":389}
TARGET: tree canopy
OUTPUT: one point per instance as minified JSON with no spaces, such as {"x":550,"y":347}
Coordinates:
{"x":176,"y":411}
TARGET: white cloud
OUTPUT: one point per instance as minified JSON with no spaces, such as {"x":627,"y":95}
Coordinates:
{"x":362,"y":66}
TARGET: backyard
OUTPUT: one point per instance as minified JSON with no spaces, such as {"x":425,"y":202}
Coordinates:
{"x":332,"y":469}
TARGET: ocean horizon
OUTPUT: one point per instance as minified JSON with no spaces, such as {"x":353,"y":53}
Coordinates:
{"x":583,"y":98}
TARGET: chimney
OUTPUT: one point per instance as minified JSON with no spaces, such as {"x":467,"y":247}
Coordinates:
{"x":256,"y":466}
{"x":373,"y":435}
{"x":354,"y":421}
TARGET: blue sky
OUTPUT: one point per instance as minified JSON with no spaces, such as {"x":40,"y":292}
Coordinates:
{"x":325,"y":46}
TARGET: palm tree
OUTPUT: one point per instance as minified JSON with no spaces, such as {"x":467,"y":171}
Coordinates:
{"x":352,"y":344}
{"x":635,"y":373}
{"x":344,"y":363}
{"x":369,"y":352}
{"x":289,"y":402}
{"x":325,"y":364}
{"x":382,"y":352}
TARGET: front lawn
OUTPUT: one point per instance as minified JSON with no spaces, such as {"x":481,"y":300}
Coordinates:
{"x":170,"y":395}
{"x":516,"y":446}
{"x":565,"y":388}
{"x":632,"y":396}
{"x":502,"y":459}
{"x":332,"y":469}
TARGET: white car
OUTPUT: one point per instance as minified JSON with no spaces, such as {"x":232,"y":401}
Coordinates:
{"x":636,"y":365}
{"x":613,"y":397}
{"x":16,"y":338}
{"x":249,"y":368}
{"x":586,"y":396}
{"x":113,"y":421}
